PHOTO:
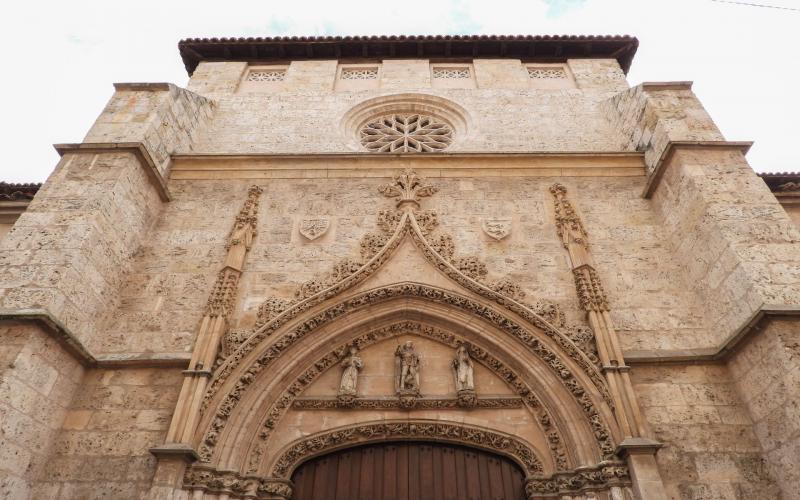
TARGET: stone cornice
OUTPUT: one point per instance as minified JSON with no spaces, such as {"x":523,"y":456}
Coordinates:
{"x":721,"y":353}
{"x":432,"y":165}
{"x":673,"y":146}
{"x":137,"y":148}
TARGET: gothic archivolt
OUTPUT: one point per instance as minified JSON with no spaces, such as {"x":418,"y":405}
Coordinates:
{"x":526,"y":393}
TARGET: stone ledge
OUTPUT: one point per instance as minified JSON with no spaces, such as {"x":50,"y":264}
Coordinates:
{"x":137,"y":148}
{"x":142,"y":86}
{"x":433,"y":165}
{"x":154,"y":360}
{"x":178,"y":450}
{"x":55,"y":328}
{"x":714,"y":354}
{"x":637,"y":445}
{"x":75,"y":347}
{"x":659,"y":86}
{"x":669,"y":151}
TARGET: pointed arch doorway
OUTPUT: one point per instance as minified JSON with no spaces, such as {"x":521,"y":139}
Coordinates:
{"x":409,"y":471}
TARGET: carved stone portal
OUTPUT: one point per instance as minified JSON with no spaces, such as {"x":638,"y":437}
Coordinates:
{"x":497,"y":228}
{"x":314,"y":228}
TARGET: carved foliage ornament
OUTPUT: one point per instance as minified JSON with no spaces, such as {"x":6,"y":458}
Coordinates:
{"x":408,"y":186}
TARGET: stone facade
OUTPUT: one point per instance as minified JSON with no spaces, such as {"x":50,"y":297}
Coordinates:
{"x":178,"y":297}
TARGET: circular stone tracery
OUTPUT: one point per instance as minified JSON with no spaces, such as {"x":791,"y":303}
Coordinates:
{"x":406,"y":133}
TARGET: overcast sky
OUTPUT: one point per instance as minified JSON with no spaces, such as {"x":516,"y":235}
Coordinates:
{"x":60,"y":58}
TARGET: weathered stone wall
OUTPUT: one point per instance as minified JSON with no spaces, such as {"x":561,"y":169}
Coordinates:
{"x":738,"y":244}
{"x":38,"y":379}
{"x":163,"y":117}
{"x":710,"y":447}
{"x":767,"y":374}
{"x":303,"y":114}
{"x":102,"y":448}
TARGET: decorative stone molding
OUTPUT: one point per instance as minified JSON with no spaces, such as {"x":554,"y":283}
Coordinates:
{"x":599,"y":477}
{"x":591,"y":295}
{"x":232,"y":484}
{"x":523,"y":389}
{"x":418,"y":430}
{"x":462,"y":401}
{"x":269,"y":309}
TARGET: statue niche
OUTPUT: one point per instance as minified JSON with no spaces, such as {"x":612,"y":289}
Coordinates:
{"x":351,"y":365}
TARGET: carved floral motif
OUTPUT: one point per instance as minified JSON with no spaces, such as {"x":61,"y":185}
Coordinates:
{"x":408,"y":186}
{"x":269,"y":309}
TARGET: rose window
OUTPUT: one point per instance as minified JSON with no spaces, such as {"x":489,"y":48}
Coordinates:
{"x":406,"y":134}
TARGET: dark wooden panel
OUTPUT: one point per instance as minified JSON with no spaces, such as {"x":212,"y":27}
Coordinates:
{"x":409,"y":471}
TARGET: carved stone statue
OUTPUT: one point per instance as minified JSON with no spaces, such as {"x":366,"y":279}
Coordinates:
{"x":352,"y":364}
{"x":462,"y":370}
{"x":463,"y":375}
{"x":406,"y":369}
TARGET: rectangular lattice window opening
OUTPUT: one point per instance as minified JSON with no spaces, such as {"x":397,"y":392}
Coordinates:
{"x":271,"y":75}
{"x":451,"y":73}
{"x":359,"y":74}
{"x":546,"y":73}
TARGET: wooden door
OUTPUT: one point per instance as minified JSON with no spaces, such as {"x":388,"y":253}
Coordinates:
{"x":409,"y":471}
